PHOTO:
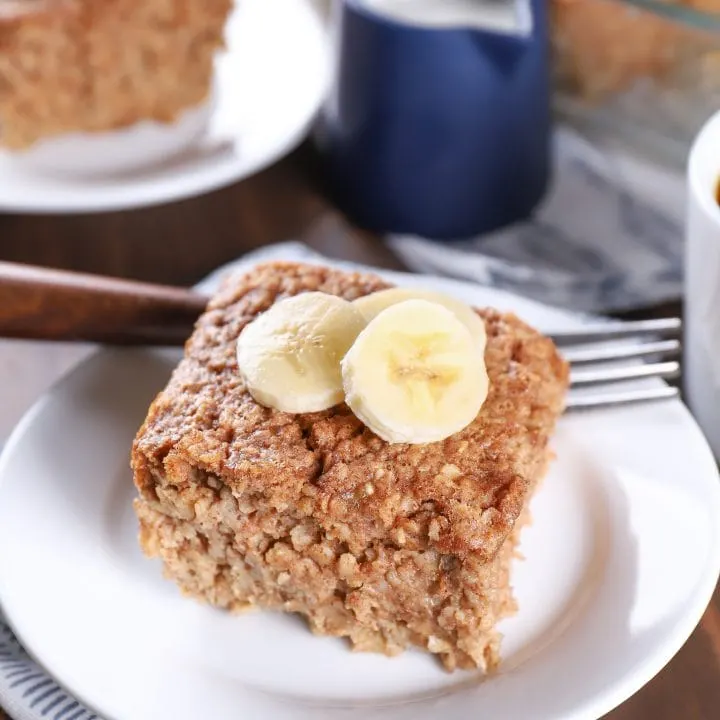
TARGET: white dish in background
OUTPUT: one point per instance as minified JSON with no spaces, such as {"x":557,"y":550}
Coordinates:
{"x":87,"y":157}
{"x":621,"y":561}
{"x":269,"y":85}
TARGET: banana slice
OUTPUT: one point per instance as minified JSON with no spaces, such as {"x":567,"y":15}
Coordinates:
{"x":371,"y":305}
{"x":290,"y":355}
{"x":415,"y":374}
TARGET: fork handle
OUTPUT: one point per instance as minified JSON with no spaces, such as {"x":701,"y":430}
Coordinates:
{"x":42,"y":304}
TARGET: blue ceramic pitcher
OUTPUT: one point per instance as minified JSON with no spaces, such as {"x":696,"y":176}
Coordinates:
{"x":438,"y":127}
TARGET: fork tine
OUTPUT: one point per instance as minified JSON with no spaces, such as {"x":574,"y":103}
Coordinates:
{"x":652,"y":338}
{"x":593,"y":354}
{"x":616,"y":399}
{"x":618,"y":330}
{"x":620,"y":374}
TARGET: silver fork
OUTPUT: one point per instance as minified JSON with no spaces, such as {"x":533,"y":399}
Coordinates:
{"x":603,"y":357}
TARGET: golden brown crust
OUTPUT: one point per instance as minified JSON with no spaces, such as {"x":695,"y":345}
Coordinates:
{"x":84,"y":65}
{"x":459,"y":496}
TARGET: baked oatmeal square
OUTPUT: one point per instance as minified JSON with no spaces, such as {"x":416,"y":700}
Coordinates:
{"x":388,"y":544}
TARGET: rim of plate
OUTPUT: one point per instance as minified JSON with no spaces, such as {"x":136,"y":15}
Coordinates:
{"x":596,"y":706}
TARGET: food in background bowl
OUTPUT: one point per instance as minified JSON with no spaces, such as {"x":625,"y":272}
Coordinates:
{"x":649,"y":75}
{"x":71,"y":68}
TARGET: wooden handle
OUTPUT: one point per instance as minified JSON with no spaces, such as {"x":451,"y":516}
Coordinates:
{"x":42,"y":304}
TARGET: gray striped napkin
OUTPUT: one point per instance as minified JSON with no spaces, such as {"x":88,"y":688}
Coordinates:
{"x":27,"y":692}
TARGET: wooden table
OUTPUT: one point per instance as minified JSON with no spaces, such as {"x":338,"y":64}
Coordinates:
{"x":181,"y":242}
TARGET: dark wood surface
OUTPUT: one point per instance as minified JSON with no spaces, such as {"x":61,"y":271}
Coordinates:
{"x":179,"y":243}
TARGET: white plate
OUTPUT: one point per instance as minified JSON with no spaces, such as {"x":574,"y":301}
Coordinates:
{"x":269,"y":86}
{"x":621,"y":560}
